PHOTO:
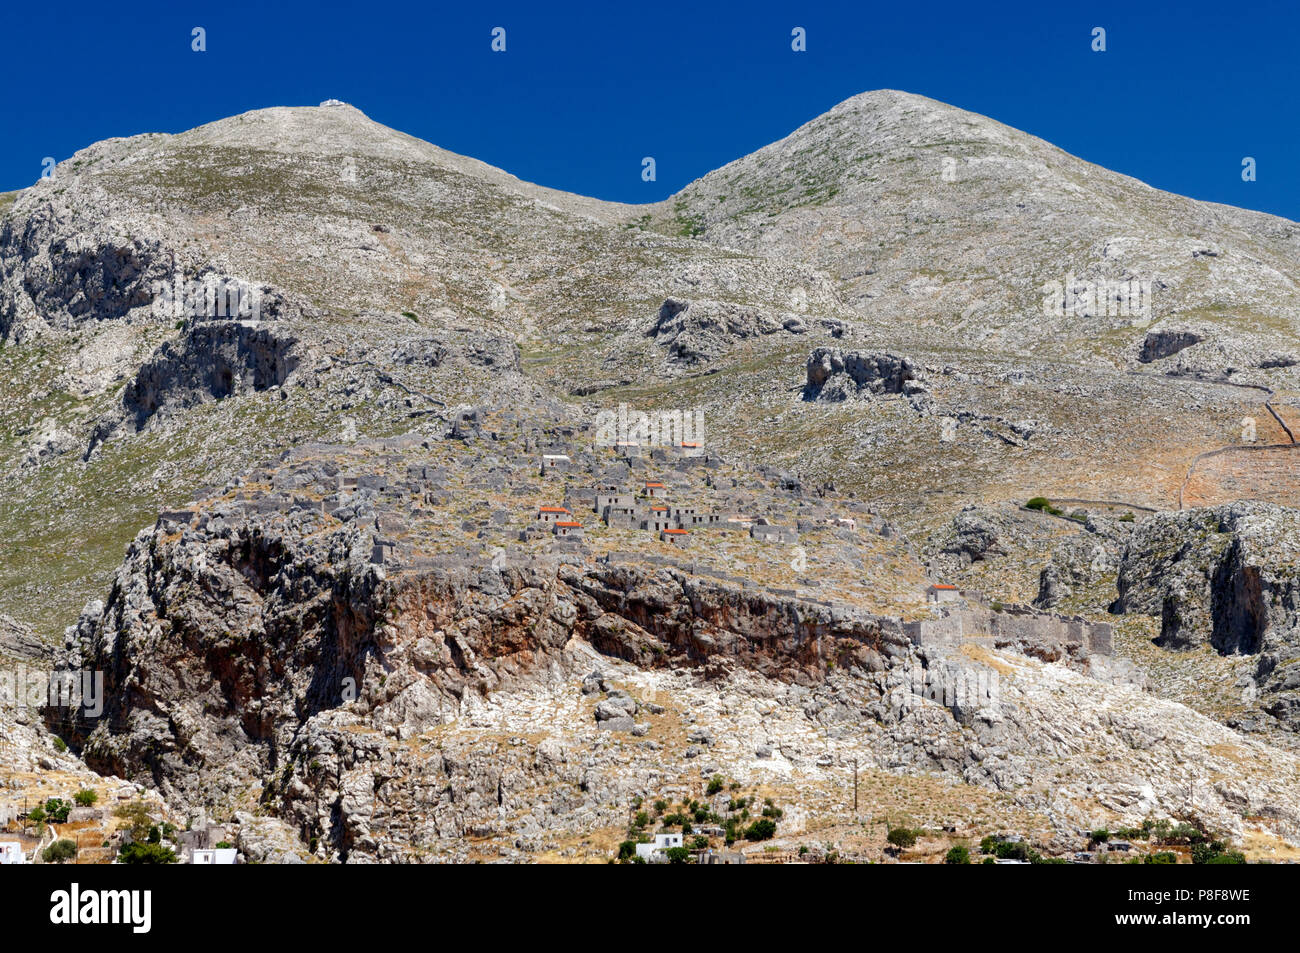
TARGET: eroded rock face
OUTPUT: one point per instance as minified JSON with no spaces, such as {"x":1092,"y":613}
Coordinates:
{"x":18,"y":641}
{"x":211,"y":360}
{"x":1224,"y":575}
{"x":63,"y":267}
{"x":1160,"y":344}
{"x":698,"y":332}
{"x":213,"y":642}
{"x":271,"y":646}
{"x":972,"y":537}
{"x":1084,"y":566}
{"x":836,"y":375}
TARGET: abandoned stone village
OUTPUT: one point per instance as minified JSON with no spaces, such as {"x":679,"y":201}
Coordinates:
{"x":548,"y":491}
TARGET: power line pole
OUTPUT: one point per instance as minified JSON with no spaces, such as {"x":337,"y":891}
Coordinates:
{"x":855,"y":789}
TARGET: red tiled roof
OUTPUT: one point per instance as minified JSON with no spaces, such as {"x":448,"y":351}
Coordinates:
{"x":678,"y":532}
{"x":554,"y":509}
{"x":567,"y":524}
{"x":942,"y":585}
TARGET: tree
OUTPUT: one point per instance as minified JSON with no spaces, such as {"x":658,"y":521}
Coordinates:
{"x":901,"y":836}
{"x":86,"y":797}
{"x":138,"y":853}
{"x":136,"y":815}
{"x":58,"y":852}
{"x":762,"y":829}
{"x":716,"y":784}
{"x":678,"y":855}
{"x":957,"y":855}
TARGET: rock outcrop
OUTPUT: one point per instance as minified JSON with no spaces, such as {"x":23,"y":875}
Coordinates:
{"x":834,"y":375}
{"x":1225,"y":576}
{"x":698,"y":332}
{"x":1160,"y":344}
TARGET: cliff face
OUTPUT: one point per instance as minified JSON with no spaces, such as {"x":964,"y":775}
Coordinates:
{"x":215,"y":644}
{"x":1229,"y":577}
{"x":266,"y":649}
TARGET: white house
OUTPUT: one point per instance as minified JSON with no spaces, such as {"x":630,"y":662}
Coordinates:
{"x":11,"y":852}
{"x":218,"y":855}
{"x":662,"y":842}
{"x":554,"y":461}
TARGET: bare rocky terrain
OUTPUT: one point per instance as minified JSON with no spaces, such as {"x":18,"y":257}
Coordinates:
{"x":306,"y":434}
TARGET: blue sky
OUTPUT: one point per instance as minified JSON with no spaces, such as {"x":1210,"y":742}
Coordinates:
{"x":1182,"y":93}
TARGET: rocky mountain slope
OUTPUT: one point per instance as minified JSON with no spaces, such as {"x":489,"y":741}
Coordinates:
{"x":334,"y":357}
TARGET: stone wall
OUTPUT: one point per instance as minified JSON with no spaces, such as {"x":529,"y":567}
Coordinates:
{"x":1020,"y":628}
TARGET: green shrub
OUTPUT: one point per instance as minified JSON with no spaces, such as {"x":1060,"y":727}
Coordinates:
{"x":1216,"y":852}
{"x":716,"y":784}
{"x":1161,"y":857}
{"x":1135,"y":833}
{"x":762,"y":829}
{"x":957,"y":855}
{"x":1005,"y":850}
{"x":1038,"y":503}
{"x":60,"y":745}
{"x":626,"y":849}
{"x":136,"y":814}
{"x":137,"y":853}
{"x":902,"y":836}
{"x":86,"y":797}
{"x":1099,"y":836}
{"x":1231,"y":857}
{"x":58,"y":852}
{"x":57,"y":810}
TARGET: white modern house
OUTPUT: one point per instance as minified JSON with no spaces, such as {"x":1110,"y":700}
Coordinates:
{"x":654,"y":852}
{"x":217,"y":855}
{"x":11,"y":852}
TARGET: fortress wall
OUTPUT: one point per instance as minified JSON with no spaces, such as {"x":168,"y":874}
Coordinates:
{"x":1040,"y":634}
